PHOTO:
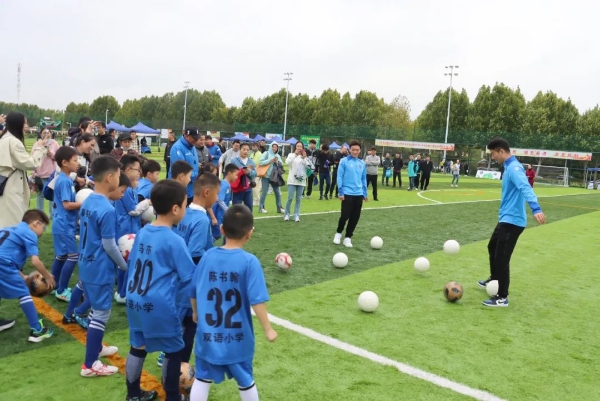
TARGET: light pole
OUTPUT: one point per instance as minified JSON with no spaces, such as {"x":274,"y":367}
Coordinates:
{"x":288,"y":78}
{"x":187,"y":85}
{"x":106,"y":117}
{"x":451,"y":73}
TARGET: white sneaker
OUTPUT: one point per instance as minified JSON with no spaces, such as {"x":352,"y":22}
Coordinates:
{"x":337,"y":239}
{"x":347,"y":242}
{"x":108,"y":350}
{"x":119,"y":300}
{"x":98,"y":369}
{"x":286,"y":217}
{"x":262,"y":211}
{"x":281,"y":210}
{"x":297,"y":219}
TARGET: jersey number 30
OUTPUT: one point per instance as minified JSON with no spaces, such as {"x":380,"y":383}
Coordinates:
{"x":216,"y":295}
{"x":142,"y":277}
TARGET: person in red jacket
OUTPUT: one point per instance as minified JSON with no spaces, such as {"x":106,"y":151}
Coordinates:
{"x":530,"y":173}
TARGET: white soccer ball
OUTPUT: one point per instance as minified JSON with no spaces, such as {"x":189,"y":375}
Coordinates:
{"x":148,"y":215}
{"x":340,"y":260}
{"x":376,"y":243}
{"x":492,"y":288}
{"x":82,"y":195}
{"x":422,"y":264}
{"x":451,"y":247}
{"x":283,"y":261}
{"x":368,"y":301}
{"x":125,"y":244}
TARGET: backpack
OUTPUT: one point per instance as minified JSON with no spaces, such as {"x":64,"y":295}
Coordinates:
{"x":48,"y":191}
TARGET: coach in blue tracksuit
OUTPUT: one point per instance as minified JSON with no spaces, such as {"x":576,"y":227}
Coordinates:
{"x":512,"y":219}
{"x":184,"y":149}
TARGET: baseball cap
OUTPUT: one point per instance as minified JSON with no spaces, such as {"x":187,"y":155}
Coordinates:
{"x":125,"y":136}
{"x":193,"y":132}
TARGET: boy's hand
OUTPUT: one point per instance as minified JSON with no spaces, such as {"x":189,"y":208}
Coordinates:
{"x":50,"y":280}
{"x":540,"y":217}
{"x":271,"y":335}
{"x":195,"y":317}
{"x":214,"y":221}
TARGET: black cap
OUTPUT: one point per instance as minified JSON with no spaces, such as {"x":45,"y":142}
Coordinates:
{"x":125,"y":136}
{"x":193,"y":132}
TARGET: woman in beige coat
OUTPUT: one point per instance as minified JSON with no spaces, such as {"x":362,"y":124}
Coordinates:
{"x":14,"y":163}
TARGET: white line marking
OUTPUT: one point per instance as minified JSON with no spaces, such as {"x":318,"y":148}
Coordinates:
{"x":420,"y":195}
{"x":404,"y":368}
{"x":279,"y":216}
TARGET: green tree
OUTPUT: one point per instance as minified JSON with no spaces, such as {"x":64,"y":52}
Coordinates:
{"x":329,"y":109}
{"x":97,"y":109}
{"x":367,"y":110}
{"x":434,"y":115}
{"x":397,"y":117}
{"x":497,"y":109}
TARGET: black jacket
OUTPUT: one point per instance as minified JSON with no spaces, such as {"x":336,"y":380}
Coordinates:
{"x":105,"y":143}
{"x":337,"y":159}
{"x":168,"y":151}
{"x":324,"y":161}
{"x":426,"y":167}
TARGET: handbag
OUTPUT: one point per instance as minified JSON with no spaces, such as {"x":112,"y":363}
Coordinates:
{"x":241,"y":184}
{"x":261,"y":171}
{"x":3,"y":181}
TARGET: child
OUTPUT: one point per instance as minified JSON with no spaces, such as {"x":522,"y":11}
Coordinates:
{"x":224,"y":199}
{"x":150,"y":175}
{"x":181,"y":172}
{"x":98,"y":255}
{"x":129,"y":212}
{"x":65,"y":221}
{"x":17,"y":243}
{"x":196,"y":232}
{"x":155,"y":277}
{"x":77,"y":314}
{"x":240,"y":281}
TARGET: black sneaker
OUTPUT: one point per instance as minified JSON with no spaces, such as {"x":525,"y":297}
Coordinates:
{"x":69,"y":319}
{"x":6,"y":324}
{"x":146,"y":396}
{"x":496,"y":302}
{"x":483,"y":283}
{"x":326,"y":198}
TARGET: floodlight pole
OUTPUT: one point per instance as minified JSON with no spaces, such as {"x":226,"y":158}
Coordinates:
{"x":187,"y":85}
{"x":288,"y":78}
{"x":451,"y":73}
{"x":106,"y":117}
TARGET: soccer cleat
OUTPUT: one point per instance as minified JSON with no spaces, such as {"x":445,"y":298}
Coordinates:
{"x":98,"y":369}
{"x":119,"y":299}
{"x":108,"y":350}
{"x":496,"y":302}
{"x":347,"y":242}
{"x":337,"y":238}
{"x":483,"y":283}
{"x":83,"y":321}
{"x":65,"y":295}
{"x":160,"y":359}
{"x":286,"y":217}
{"x":146,"y":396}
{"x":6,"y":324}
{"x":69,"y":319}
{"x":38,"y":336}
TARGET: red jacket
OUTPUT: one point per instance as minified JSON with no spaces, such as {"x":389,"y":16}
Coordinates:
{"x":530,"y":173}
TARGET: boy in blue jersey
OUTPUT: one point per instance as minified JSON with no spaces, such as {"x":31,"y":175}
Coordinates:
{"x":77,"y":310}
{"x":17,"y":243}
{"x":129,"y":220}
{"x":65,"y":221}
{"x":181,"y":172}
{"x":224,"y":199}
{"x":150,"y":176}
{"x":99,"y":258}
{"x":512,"y":219}
{"x":227,"y":282}
{"x":185,"y":149}
{"x":352,"y":188}
{"x":153,"y":280}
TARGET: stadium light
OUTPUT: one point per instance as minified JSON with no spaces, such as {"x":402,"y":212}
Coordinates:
{"x":106,"y":117}
{"x":187,"y":85}
{"x":288,"y":78}
{"x":451,"y":73}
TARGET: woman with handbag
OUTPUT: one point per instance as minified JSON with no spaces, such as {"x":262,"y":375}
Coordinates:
{"x":242,"y":192}
{"x":49,"y":146}
{"x":298,"y":163}
{"x":273,"y":176}
{"x":14,"y":163}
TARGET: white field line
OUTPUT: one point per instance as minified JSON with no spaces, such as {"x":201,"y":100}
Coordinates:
{"x":420,"y":195}
{"x":279,"y":216}
{"x":402,"y":367}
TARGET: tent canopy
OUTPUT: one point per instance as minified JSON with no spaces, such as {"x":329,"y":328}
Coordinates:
{"x":334,"y":146}
{"x":143,"y":129}
{"x":277,"y":139}
{"x":292,"y":141}
{"x":346,"y":145}
{"x":259,"y":138}
{"x":239,"y":137}
{"x":117,"y":126}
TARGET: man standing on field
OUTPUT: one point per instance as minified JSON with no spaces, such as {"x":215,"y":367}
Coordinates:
{"x":512,"y":219}
{"x":352,"y":187}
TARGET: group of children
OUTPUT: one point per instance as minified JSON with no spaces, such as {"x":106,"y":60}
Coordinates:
{"x":171,"y":265}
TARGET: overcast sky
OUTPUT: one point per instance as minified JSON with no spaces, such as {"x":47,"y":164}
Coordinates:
{"x":133,"y":48}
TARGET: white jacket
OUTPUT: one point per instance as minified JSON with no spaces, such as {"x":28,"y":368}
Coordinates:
{"x":297,"y":168}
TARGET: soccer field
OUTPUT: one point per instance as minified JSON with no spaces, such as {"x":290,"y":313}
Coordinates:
{"x":416,"y":346}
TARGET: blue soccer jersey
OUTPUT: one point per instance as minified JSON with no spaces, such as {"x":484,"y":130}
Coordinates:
{"x":227,"y":282}
{"x":220,"y":207}
{"x":158,"y":264}
{"x":17,"y":244}
{"x":64,"y":221}
{"x":144,"y":188}
{"x":98,"y":221}
{"x":127,"y":224}
{"x":195,"y":230}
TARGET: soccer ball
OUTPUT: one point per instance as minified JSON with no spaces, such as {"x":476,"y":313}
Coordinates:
{"x":453,"y":291}
{"x":451,"y":247}
{"x":148,"y":215}
{"x":125,"y":245}
{"x":340,"y":260}
{"x":82,"y":195}
{"x":38,"y":287}
{"x":283,"y":261}
{"x":186,"y":378}
{"x":492,"y":288}
{"x":376,"y":243}
{"x":368,"y":301}
{"x":422,"y":264}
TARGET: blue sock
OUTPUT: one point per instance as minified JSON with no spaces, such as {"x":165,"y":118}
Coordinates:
{"x":29,"y":311}
{"x":83,"y":308}
{"x":66,"y":273}
{"x":57,"y":266}
{"x":122,"y":283}
{"x":95,"y":333}
{"x":75,"y":299}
